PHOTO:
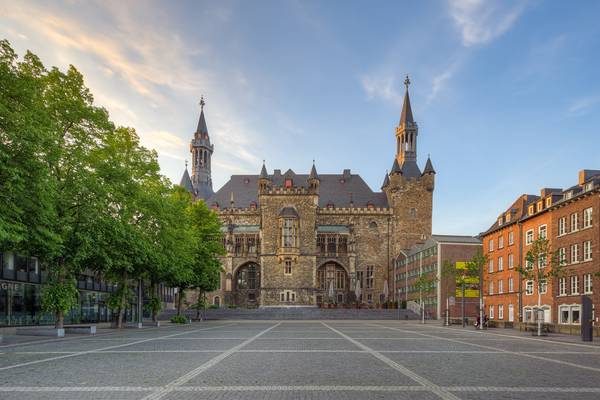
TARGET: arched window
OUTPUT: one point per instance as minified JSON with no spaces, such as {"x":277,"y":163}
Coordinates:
{"x":247,"y":277}
{"x":373,"y":225}
{"x":217,"y":301}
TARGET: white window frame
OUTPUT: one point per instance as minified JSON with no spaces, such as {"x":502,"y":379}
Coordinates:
{"x":491,"y":311}
{"x":569,"y":308}
{"x":574,"y":222}
{"x":500,"y":311}
{"x":491,"y":288}
{"x":562,"y":256}
{"x":500,"y":286}
{"x":491,"y":266}
{"x":500,"y":242}
{"x":500,"y":264}
{"x":543,"y":231}
{"x":543,"y":286}
{"x":575,"y":253}
{"x":562,"y":286}
{"x":511,"y":285}
{"x":587,"y":284}
{"x":587,"y":250}
{"x":491,"y":245}
{"x":587,"y":217}
{"x":529,"y":288}
{"x":562,"y":226}
{"x":574,"y":279}
{"x":529,"y":237}
{"x":511,"y":238}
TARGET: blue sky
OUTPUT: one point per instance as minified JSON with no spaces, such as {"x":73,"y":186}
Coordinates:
{"x":506,"y":93}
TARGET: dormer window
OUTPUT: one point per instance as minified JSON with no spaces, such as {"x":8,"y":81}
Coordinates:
{"x":568,"y":195}
{"x":548,"y":202}
{"x":540,"y":205}
{"x":507,"y":217}
{"x":531,"y":210}
{"x":589,"y":186}
{"x":499,"y":221}
{"x":215,"y":206}
{"x":246,"y":181}
{"x":288,"y":183}
{"x":330,"y":205}
{"x":370,"y":206}
{"x":253,"y":205}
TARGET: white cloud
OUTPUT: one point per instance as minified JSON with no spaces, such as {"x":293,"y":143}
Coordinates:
{"x":384,"y":87}
{"x":145,"y":73}
{"x":481,"y":21}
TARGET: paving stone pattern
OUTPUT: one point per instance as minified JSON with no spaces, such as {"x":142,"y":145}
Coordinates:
{"x":284,"y":359}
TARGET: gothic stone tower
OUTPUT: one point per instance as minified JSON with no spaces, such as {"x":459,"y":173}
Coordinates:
{"x":409,"y":192}
{"x":200,"y":184}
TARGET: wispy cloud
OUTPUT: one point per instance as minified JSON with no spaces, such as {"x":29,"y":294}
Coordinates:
{"x":583,"y":105}
{"x":481,"y":21}
{"x":383,"y":87}
{"x":440,"y":81}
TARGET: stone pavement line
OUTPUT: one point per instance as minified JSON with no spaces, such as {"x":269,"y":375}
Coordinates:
{"x":307,"y":388}
{"x":528,"y":355}
{"x":80,"y":353}
{"x":197,"y":371}
{"x":513,"y":337}
{"x":398,"y":367}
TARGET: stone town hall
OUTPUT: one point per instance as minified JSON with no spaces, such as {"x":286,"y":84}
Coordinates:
{"x":305,"y":239}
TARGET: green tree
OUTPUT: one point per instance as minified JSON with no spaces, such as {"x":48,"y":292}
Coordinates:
{"x":424,"y":284}
{"x":542,"y":265}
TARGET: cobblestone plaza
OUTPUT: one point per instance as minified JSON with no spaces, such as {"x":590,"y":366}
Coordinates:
{"x":347,"y":359}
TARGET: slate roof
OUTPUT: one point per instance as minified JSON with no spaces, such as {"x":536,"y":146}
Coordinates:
{"x":428,"y":167}
{"x":338,"y":189}
{"x":406,"y":117}
{"x":410,"y":169}
{"x":186,"y":182}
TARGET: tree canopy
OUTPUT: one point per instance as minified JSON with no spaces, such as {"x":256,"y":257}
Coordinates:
{"x":81,"y":194}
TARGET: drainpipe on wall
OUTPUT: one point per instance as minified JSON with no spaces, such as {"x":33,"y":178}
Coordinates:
{"x":520,"y":292}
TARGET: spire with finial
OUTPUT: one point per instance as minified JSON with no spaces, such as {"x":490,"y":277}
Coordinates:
{"x":202,"y":129}
{"x":406,"y":117}
{"x":428,"y":167}
{"x":263,"y":172}
{"x":313,"y":172}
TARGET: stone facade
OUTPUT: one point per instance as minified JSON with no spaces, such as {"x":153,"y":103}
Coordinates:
{"x":305,"y":240}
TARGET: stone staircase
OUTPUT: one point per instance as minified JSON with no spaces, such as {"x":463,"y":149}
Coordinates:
{"x":298,"y":313}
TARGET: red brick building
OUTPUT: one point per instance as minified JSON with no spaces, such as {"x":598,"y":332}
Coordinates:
{"x":427,"y":260}
{"x":569,"y":219}
{"x":502,"y":244}
{"x":576,"y":233}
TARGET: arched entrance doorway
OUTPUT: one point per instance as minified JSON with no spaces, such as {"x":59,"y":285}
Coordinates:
{"x":247,"y":284}
{"x":333,"y":284}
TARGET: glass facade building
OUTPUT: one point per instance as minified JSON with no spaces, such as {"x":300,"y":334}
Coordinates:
{"x":21,"y":280}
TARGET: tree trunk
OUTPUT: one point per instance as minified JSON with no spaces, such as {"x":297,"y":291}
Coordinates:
{"x":122,"y":301}
{"x":180,"y":301}
{"x":60,"y":320}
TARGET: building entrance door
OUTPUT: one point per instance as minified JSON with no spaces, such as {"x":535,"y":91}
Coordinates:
{"x":511,"y":313}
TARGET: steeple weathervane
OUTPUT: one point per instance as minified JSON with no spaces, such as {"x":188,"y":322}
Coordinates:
{"x":407,"y":82}
{"x":202,"y":103}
